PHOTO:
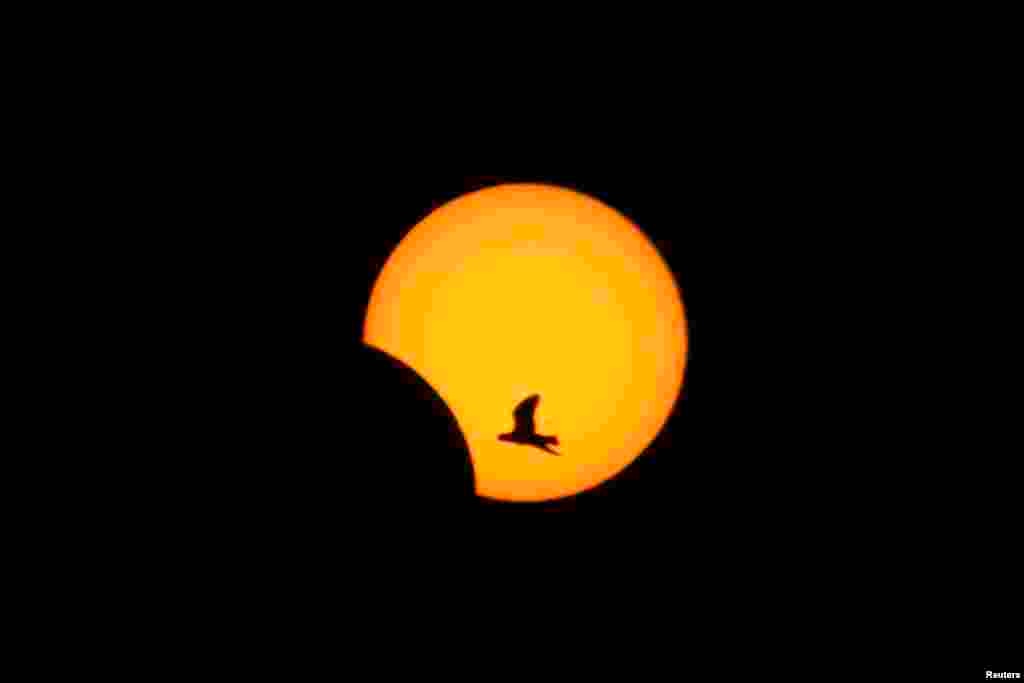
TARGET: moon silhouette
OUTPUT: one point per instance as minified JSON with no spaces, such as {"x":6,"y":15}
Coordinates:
{"x":400,"y":416}
{"x":527,"y":289}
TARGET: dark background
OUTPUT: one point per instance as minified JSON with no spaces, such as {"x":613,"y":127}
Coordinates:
{"x":779,"y":482}
{"x":831,"y":495}
{"x":801,"y":495}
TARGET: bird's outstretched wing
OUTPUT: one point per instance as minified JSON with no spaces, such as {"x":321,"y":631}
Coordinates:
{"x":524,"y":414}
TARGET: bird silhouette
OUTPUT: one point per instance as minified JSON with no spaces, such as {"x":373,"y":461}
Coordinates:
{"x":525,"y":431}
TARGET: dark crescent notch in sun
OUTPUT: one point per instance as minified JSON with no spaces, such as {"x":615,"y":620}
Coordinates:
{"x":408,"y":437}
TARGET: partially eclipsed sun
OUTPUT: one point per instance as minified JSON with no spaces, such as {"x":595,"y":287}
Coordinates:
{"x":533,"y":289}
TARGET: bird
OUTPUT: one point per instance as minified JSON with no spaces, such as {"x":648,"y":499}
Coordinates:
{"x":525,"y":431}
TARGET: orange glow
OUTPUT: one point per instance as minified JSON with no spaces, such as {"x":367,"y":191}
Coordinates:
{"x":522,"y":289}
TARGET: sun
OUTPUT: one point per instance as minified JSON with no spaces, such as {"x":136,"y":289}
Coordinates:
{"x":526,"y":289}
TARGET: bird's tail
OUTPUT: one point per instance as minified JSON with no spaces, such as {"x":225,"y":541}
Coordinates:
{"x":551,"y":439}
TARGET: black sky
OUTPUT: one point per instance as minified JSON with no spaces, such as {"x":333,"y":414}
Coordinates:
{"x":770,"y":481}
